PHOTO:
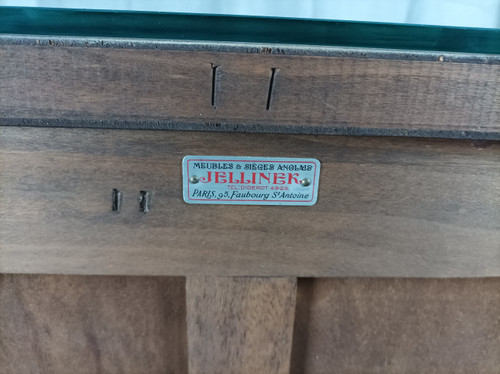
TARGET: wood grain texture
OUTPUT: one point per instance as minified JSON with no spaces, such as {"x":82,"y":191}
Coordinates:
{"x":240,"y":325}
{"x":401,"y":326}
{"x":82,"y":324}
{"x":54,"y":84}
{"x":392,"y":207}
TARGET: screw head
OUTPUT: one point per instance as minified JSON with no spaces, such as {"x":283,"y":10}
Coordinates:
{"x":194,"y":179}
{"x":305,"y":182}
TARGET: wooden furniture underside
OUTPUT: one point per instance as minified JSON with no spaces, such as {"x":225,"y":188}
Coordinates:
{"x":395,"y":269}
{"x":388,"y":207}
{"x":109,"y":324}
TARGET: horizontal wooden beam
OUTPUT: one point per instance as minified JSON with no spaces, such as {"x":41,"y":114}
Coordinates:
{"x":386,"y":207}
{"x":247,"y":88}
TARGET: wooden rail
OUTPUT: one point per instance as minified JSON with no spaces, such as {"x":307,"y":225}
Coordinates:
{"x":64,"y":83}
{"x":386,"y":207}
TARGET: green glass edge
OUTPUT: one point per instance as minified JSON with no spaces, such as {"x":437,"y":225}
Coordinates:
{"x":167,"y":26}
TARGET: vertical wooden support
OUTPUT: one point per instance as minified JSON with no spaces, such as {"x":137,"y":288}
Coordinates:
{"x":240,"y":324}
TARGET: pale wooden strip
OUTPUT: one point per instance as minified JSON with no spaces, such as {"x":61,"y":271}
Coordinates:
{"x":240,"y":325}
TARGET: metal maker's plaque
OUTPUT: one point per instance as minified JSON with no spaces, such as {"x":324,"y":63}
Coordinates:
{"x":250,"y":180}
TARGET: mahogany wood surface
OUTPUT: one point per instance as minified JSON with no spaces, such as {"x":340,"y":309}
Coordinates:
{"x":393,"y":207}
{"x":83,"y":324}
{"x":57,"y":85}
{"x":240,"y":325}
{"x":397,"y":326}
{"x":104,"y":324}
{"x":388,"y":207}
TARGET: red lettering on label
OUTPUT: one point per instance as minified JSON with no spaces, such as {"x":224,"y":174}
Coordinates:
{"x":291,"y":177}
{"x":279,"y":178}
{"x":231,"y":180}
{"x":220,"y":174}
{"x":208,"y":179}
{"x":243,"y":180}
{"x":266,"y":177}
{"x":251,"y":178}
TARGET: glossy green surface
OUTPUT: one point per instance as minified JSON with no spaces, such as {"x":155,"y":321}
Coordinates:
{"x":85,"y":23}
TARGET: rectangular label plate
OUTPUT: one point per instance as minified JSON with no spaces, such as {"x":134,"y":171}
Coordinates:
{"x":250,"y":180}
